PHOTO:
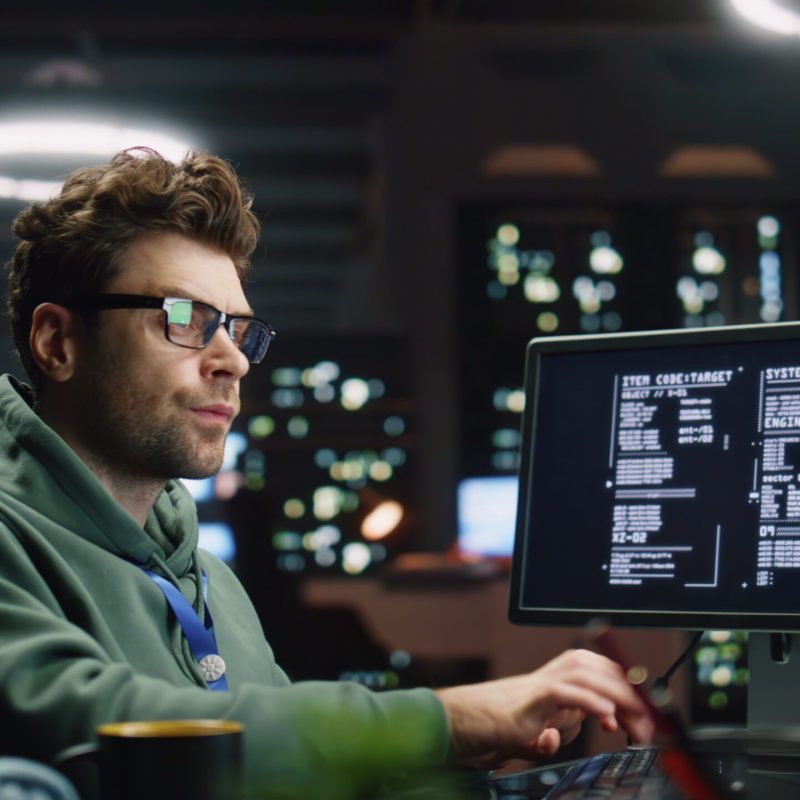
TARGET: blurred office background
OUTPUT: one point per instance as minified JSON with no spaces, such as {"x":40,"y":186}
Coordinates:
{"x":439,"y":181}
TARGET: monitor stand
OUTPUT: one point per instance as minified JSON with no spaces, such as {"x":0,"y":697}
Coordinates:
{"x":764,"y":758}
{"x":773,"y":693}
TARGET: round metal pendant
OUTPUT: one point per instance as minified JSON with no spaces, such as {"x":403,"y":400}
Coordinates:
{"x":213,"y":667}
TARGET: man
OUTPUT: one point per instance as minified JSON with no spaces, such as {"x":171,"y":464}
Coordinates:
{"x":129,"y":315}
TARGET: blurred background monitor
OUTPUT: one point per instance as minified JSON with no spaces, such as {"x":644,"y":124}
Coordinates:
{"x":217,"y":538}
{"x":487,"y":508}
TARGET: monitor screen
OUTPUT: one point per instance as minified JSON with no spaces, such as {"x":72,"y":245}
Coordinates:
{"x":486,"y":515}
{"x":660,"y":480}
{"x":218,"y":539}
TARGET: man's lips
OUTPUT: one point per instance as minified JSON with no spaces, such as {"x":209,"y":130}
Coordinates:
{"x":219,"y":412}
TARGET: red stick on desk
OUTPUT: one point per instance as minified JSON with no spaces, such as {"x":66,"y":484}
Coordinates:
{"x":675,"y":759}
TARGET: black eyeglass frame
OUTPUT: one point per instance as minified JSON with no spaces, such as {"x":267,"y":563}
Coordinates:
{"x":102,"y":302}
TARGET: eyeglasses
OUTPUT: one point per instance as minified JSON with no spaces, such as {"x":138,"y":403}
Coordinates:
{"x":190,"y":323}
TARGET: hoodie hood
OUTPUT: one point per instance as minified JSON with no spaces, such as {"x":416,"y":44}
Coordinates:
{"x":46,"y":475}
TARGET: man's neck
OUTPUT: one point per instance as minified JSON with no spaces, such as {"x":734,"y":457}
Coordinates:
{"x":136,"y":495}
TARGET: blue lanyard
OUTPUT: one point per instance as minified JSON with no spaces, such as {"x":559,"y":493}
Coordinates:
{"x":199,"y":634}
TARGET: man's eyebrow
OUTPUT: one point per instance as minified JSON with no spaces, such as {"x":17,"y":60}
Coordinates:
{"x":172,"y":291}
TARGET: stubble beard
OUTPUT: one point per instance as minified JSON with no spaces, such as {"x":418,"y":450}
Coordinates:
{"x":123,"y":425}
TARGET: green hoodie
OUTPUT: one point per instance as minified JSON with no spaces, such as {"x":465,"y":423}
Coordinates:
{"x":86,"y":637}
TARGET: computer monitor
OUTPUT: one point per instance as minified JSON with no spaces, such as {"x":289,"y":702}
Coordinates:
{"x":661,"y":476}
{"x":218,"y":539}
{"x":487,"y":515}
{"x":660,"y":480}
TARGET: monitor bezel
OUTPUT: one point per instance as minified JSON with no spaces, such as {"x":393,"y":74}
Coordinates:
{"x":637,"y":340}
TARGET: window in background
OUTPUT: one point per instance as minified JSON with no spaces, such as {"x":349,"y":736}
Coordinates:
{"x":528,"y":271}
{"x":323,"y":489}
{"x":329,"y":436}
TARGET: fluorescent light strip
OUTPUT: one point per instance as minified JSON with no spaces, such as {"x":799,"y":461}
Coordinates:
{"x":83,"y":139}
{"x":27,"y":190}
{"x":769,"y":15}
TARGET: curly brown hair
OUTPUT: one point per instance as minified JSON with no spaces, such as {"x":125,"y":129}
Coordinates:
{"x":71,"y":245}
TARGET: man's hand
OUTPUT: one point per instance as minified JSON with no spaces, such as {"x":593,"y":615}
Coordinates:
{"x":532,"y":715}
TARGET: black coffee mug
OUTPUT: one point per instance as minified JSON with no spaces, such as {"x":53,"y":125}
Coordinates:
{"x":189,"y":759}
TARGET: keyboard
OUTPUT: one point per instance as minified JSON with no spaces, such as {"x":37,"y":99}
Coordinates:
{"x":623,"y":775}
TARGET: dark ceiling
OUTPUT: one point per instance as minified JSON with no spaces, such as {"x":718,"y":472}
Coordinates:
{"x":187,"y":26}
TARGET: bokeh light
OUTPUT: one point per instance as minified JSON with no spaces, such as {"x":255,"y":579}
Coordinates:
{"x":380,"y":471}
{"x":294,"y":508}
{"x":508,"y":234}
{"x":287,"y":398}
{"x":287,"y":540}
{"x":547,"y":322}
{"x":516,"y":401}
{"x":768,"y":227}
{"x":605,"y":261}
{"x":324,"y":457}
{"x":356,"y":557}
{"x":324,"y":393}
{"x":541,"y":289}
{"x":327,"y":502}
{"x":261,"y":427}
{"x":297,"y":427}
{"x":355,"y":393}
{"x":291,"y":562}
{"x":382,"y":520}
{"x":286,"y":376}
{"x":708,"y":261}
{"x":395,"y":456}
{"x":394,"y":426}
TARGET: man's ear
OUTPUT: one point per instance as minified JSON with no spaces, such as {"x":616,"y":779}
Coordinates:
{"x":53,"y":341}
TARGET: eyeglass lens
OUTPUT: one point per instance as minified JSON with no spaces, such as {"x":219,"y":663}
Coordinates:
{"x":193,"y":324}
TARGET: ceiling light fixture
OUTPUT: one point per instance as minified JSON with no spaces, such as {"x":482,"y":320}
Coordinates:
{"x":27,"y":190}
{"x":65,"y":138}
{"x":558,"y":160}
{"x":716,"y":161}
{"x":770,"y":15}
